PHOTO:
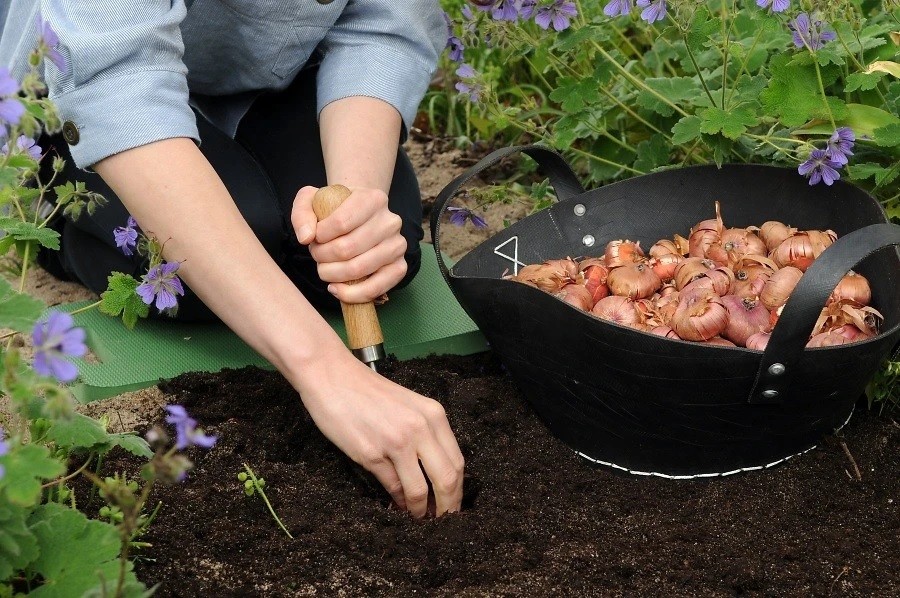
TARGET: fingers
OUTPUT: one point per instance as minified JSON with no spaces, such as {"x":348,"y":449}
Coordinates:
{"x":376,"y":285}
{"x":303,"y":218}
{"x":446,"y":480}
{"x":357,"y":209}
{"x":386,"y":474}
{"x":440,"y":425}
{"x":415,"y":487}
{"x":378,"y":228}
{"x":386,"y":252}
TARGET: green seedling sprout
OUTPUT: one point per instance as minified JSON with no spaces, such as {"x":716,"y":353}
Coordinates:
{"x":254,"y":485}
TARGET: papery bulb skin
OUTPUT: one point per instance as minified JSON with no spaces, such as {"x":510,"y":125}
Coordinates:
{"x":758,"y":341}
{"x":664,"y":331}
{"x":595,"y":274}
{"x":664,"y":265}
{"x":773,"y":233}
{"x":620,"y":310}
{"x":779,"y":287}
{"x":853,"y":287}
{"x":576,"y":295}
{"x":690,"y":269}
{"x":719,"y":341}
{"x":622,"y":253}
{"x":700,"y":316}
{"x":718,"y":280}
{"x":637,"y":281}
{"x":706,"y":234}
{"x":745,"y":318}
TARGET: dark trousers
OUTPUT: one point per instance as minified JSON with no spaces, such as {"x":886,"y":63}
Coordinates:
{"x":276,"y":152}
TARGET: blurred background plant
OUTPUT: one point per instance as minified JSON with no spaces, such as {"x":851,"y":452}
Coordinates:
{"x":625,"y":88}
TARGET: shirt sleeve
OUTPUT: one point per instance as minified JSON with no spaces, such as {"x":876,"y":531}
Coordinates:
{"x":126,"y":83}
{"x":385,"y":49}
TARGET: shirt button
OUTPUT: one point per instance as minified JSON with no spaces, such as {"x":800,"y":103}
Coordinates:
{"x":70,"y":133}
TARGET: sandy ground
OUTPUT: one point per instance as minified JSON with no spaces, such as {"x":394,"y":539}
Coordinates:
{"x":436,"y":164}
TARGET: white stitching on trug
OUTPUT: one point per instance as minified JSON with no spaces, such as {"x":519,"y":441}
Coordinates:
{"x":706,"y":475}
{"x":514,"y":258}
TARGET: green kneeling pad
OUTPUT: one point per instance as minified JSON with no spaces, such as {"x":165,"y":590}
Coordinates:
{"x":422,"y":319}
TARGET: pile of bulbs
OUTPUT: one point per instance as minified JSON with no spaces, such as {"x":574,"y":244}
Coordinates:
{"x":721,"y":286}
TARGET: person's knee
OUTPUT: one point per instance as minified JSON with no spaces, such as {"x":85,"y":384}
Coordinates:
{"x":413,"y":264}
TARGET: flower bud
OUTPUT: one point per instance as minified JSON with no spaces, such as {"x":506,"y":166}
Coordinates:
{"x":157,"y":438}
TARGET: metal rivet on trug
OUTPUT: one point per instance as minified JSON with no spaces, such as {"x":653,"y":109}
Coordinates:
{"x":580,"y":209}
{"x":776,"y":369}
{"x":770,"y":394}
{"x":588,"y":240}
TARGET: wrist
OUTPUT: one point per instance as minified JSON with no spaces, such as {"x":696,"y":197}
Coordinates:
{"x":308,"y":366}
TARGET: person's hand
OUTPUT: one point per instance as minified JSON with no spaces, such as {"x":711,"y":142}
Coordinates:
{"x":396,"y":434}
{"x":360,"y":238}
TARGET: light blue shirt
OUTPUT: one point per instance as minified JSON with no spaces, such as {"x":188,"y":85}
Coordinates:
{"x":132,"y":63}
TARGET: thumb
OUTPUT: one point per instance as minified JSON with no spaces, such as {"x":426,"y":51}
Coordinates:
{"x":303,"y":219}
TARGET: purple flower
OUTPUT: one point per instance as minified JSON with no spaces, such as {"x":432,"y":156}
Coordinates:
{"x":839,"y":147}
{"x":26,"y":145}
{"x":11,"y":109}
{"x":819,"y":168}
{"x":126,"y":236}
{"x":186,"y":432}
{"x":161,"y":284}
{"x":471,"y":87}
{"x":456,"y":48}
{"x":558,"y":14}
{"x":4,"y":449}
{"x":505,"y":10}
{"x":55,"y":338}
{"x":617,"y":8}
{"x":655,"y":10}
{"x":774,"y":5}
{"x":458,"y":217}
{"x":526,"y":9}
{"x":48,"y":43}
{"x":810,"y":33}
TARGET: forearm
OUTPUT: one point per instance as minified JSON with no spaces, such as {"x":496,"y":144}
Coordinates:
{"x":175,"y":195}
{"x":360,"y":136}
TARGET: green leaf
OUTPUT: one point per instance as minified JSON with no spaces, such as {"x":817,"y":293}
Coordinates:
{"x":652,"y":153}
{"x":78,"y":431}
{"x":132,"y":443}
{"x":882,"y":174}
{"x":18,"y":311}
{"x":18,"y":546}
{"x":862,"y":81}
{"x":677,"y":90}
{"x":27,"y":467}
{"x":9,"y":176}
{"x":28,"y":231}
{"x":703,"y":26}
{"x":77,"y":554}
{"x":887,"y":136}
{"x":793,"y":94}
{"x":686,"y":129}
{"x":120,"y":297}
{"x":22,"y":161}
{"x":731,"y":124}
{"x":861,"y":118}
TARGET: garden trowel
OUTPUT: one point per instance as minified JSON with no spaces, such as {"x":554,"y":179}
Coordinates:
{"x":363,"y":330}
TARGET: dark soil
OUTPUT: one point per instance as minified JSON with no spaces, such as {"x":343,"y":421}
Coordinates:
{"x":539,"y":521}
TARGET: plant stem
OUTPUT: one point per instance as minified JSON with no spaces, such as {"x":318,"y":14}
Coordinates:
{"x":726,"y":38}
{"x":822,"y":90}
{"x":70,"y":476}
{"x":697,"y":68}
{"x":266,"y":499}
{"x":637,"y":82}
{"x":85,"y":308}
{"x":743,"y":68}
{"x":605,"y":161}
{"x":859,"y":64}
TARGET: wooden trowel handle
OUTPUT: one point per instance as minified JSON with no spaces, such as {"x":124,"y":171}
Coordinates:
{"x":363,"y":329}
